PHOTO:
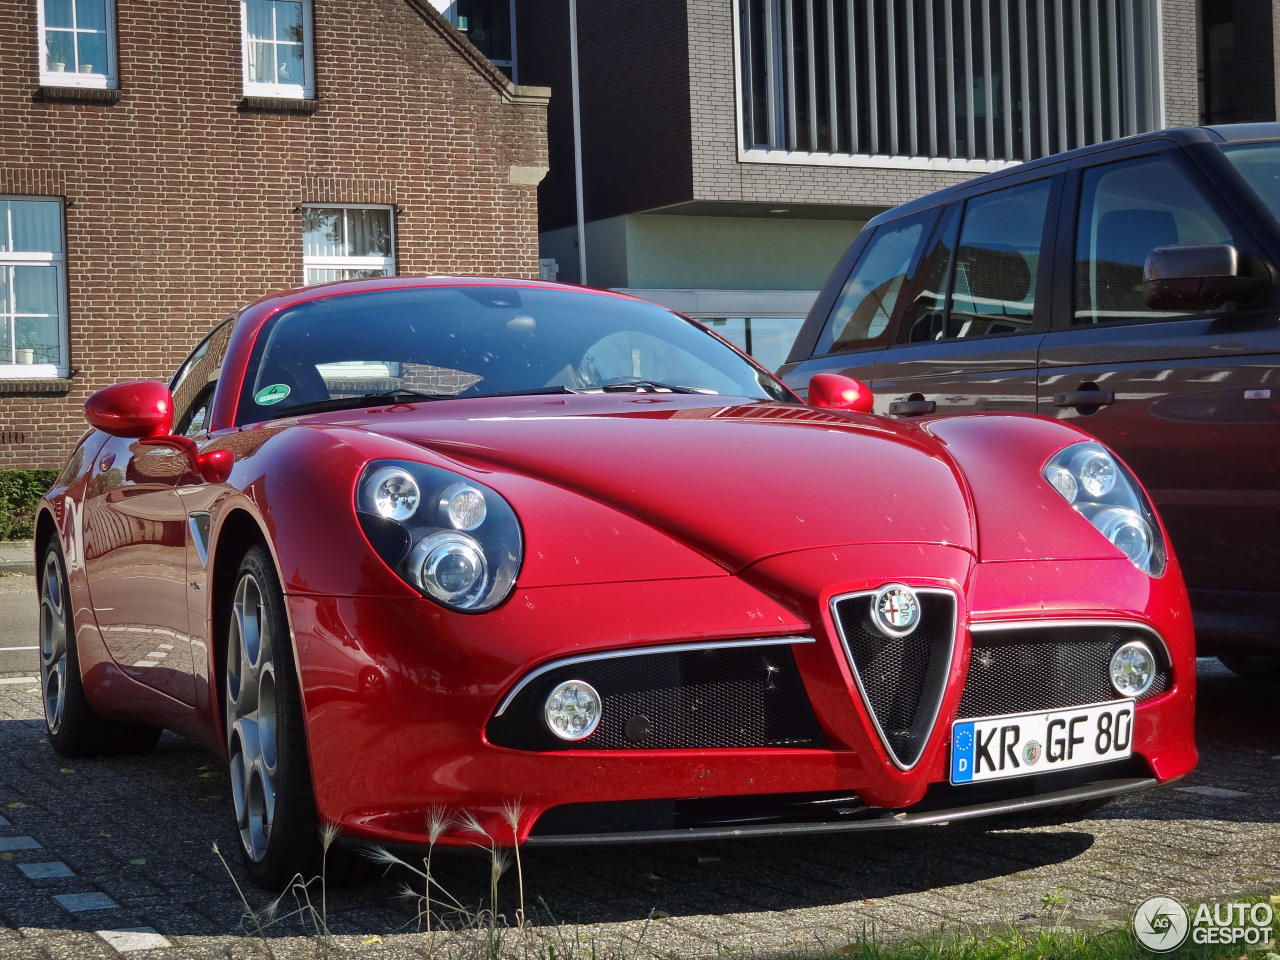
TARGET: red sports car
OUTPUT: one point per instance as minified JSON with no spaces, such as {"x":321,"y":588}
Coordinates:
{"x":500,"y":547}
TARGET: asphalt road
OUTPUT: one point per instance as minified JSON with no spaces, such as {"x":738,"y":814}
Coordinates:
{"x":92,"y":848}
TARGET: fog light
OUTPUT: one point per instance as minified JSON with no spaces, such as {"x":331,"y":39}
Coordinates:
{"x":1062,"y":480}
{"x":1133,"y":669}
{"x":573,"y":710}
{"x":463,"y":505}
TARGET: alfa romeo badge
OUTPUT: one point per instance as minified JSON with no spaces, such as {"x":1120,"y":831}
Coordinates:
{"x":895,"y":610}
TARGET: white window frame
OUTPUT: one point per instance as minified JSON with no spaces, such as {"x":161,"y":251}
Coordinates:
{"x":288,"y":91}
{"x":51,"y":78}
{"x":386,"y":264}
{"x":9,"y":368}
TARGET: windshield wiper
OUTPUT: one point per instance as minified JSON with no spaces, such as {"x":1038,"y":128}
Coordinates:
{"x":650,"y":386}
{"x":364,"y":400}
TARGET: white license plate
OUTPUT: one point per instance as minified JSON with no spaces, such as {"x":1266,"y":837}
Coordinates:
{"x":1029,"y":743}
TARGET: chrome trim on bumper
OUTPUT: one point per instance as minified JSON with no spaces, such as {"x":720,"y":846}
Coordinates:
{"x":643,"y":651}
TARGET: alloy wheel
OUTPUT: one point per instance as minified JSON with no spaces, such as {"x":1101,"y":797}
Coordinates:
{"x":251,"y":717}
{"x":53,"y":643}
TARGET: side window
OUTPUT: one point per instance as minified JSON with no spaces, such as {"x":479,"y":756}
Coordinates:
{"x":991,"y":268}
{"x":194,"y":384}
{"x":861,"y":314}
{"x":1128,"y":209}
{"x":994,"y":290}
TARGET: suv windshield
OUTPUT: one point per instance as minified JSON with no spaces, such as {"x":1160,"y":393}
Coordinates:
{"x":1259,"y":163}
{"x":428,"y":343}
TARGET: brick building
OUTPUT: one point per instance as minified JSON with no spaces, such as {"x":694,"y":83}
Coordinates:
{"x":733,"y":148}
{"x":164,"y":163}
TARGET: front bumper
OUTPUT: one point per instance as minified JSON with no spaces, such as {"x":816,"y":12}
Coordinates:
{"x":399,"y":694}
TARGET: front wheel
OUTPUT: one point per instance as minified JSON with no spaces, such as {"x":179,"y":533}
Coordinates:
{"x":266,"y":744}
{"x":1253,"y":667}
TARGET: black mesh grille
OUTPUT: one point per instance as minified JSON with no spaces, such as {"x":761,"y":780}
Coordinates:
{"x":902,"y":677}
{"x":1047,"y":668}
{"x":723,"y":697}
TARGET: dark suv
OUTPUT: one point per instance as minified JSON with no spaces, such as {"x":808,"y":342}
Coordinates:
{"x":1132,"y":287}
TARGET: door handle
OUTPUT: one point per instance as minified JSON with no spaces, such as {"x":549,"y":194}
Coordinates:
{"x":1084,"y":398}
{"x":911,"y":408}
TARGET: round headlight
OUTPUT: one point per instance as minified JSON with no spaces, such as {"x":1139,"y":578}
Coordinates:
{"x":451,"y":567}
{"x":394,"y":493}
{"x":1127,"y":530}
{"x":573,"y":710}
{"x":1097,"y":473}
{"x":463,"y":506}
{"x":1133,"y":669}
{"x":1064,"y":481}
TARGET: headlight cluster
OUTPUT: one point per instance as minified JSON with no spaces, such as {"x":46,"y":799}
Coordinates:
{"x":454,"y":539}
{"x":1090,"y":479}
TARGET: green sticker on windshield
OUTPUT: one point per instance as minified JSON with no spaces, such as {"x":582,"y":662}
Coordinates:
{"x":272,"y":394}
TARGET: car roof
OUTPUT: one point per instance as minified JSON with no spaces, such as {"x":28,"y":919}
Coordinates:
{"x":1223,"y":133}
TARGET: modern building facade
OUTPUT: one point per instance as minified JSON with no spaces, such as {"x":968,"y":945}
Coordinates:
{"x":731,"y":149}
{"x":164,"y":163}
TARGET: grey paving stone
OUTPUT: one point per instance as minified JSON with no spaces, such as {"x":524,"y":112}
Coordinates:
{"x":46,"y":871}
{"x":12,"y":844}
{"x":82,"y":902}
{"x":133,"y":939}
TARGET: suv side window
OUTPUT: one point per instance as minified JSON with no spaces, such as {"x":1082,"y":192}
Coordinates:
{"x":991,"y":271}
{"x":1127,"y":209}
{"x":862,"y":312}
{"x":194,"y":383}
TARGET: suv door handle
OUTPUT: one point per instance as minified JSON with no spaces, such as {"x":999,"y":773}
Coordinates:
{"x":1084,"y":398}
{"x":911,"y":408}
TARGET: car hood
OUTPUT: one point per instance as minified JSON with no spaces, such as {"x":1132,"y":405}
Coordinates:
{"x":736,"y":483}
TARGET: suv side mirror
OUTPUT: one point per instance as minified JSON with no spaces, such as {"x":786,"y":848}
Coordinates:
{"x":832,"y":391}
{"x":1197,"y":276}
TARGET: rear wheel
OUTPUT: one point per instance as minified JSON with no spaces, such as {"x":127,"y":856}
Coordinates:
{"x":75,"y":728}
{"x":1253,"y":667}
{"x":266,"y":744}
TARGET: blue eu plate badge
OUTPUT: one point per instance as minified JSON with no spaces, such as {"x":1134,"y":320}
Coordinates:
{"x":962,"y":753}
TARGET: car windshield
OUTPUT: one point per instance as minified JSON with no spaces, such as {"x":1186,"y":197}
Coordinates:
{"x":428,"y":343}
{"x":1259,"y":163}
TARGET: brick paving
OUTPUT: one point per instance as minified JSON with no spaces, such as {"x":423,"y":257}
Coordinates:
{"x":101,"y":858}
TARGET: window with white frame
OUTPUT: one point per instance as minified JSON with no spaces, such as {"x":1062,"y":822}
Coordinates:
{"x":347,"y":242}
{"x":77,"y":43}
{"x":33,"y":289}
{"x":276,"y":40}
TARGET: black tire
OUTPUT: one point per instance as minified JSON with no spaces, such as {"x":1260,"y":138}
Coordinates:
{"x":1253,"y":667}
{"x":75,"y":729}
{"x":280,"y":839}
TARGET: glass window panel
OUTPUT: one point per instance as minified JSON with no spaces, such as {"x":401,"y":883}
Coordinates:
{"x":57,"y":13}
{"x":1127,"y":210}
{"x":995,"y":283}
{"x":4,"y":294}
{"x":289,"y":56}
{"x":4,"y":234}
{"x":1260,"y":165}
{"x":35,"y":290}
{"x":37,"y":226}
{"x":93,"y":53}
{"x":866,"y":303}
{"x":369,"y":233}
{"x":289,"y":22}
{"x":322,"y":232}
{"x":258,"y":13}
{"x":59,"y":51}
{"x":91,"y":14}
{"x":36,"y":340}
{"x":6,"y":341}
{"x":261,"y":64}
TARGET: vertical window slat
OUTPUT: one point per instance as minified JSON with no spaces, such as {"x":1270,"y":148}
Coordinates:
{"x":953,"y":146}
{"x":1113,"y":34}
{"x":932,"y":96}
{"x":988,"y":82}
{"x":1006,"y":68}
{"x":833,"y":103}
{"x":789,"y":39}
{"x":891,"y":72}
{"x":811,"y":75}
{"x":851,"y":32}
{"x":970,"y":145}
{"x":1025,"y":58}
{"x":1060,"y":37}
{"x":913,"y":107}
{"x":873,"y":99}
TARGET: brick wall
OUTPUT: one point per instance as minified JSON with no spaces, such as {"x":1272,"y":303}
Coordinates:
{"x":1180,"y":34}
{"x":183,"y":205}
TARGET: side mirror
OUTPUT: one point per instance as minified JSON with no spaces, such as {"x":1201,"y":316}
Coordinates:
{"x":140,"y":408}
{"x":832,"y":391}
{"x":1197,"y":276}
